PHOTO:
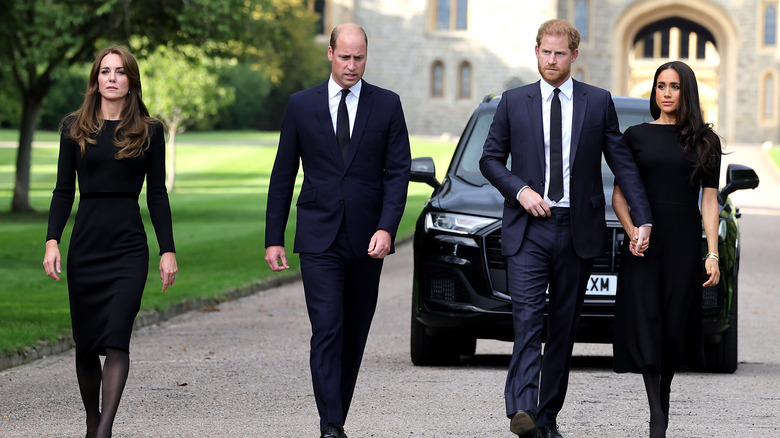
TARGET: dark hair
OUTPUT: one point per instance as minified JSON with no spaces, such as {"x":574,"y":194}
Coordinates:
{"x":558,"y":27}
{"x":334,"y":35}
{"x":132,"y":133}
{"x":697,"y":138}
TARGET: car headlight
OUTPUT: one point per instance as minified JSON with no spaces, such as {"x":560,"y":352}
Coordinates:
{"x":456,"y":223}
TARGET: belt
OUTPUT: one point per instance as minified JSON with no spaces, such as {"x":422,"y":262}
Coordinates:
{"x":99,"y":195}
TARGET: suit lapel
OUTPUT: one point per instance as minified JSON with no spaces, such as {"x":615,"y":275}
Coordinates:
{"x":580,"y":105}
{"x":322,"y":108}
{"x":535,"y":110}
{"x":365,"y":103}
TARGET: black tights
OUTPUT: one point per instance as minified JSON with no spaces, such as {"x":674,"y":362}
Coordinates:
{"x":113,"y":376}
{"x":659,"y":389}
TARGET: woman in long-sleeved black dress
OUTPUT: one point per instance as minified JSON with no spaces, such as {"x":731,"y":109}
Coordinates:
{"x":110,"y":144}
{"x":658,"y":305}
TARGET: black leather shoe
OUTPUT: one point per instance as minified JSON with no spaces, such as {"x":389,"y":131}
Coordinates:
{"x":551,"y":431}
{"x":523,"y":425}
{"x":333,"y":432}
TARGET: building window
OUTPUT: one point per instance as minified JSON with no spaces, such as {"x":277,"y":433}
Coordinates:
{"x":770,"y":25}
{"x":579,"y":75}
{"x":452,"y":14}
{"x":581,"y":8}
{"x":437,"y":79}
{"x":464,"y":80}
{"x":768,"y":97}
{"x":318,"y":6}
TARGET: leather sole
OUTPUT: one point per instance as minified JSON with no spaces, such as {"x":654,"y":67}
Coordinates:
{"x":523,"y":425}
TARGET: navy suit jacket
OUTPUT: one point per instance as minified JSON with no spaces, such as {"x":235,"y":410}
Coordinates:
{"x":368,"y":191}
{"x":518,"y":130}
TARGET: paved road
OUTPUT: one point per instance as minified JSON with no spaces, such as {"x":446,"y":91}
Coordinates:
{"x":242,"y":369}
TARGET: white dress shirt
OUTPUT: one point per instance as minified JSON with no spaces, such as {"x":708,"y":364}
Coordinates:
{"x":334,"y":97}
{"x":566,"y":94}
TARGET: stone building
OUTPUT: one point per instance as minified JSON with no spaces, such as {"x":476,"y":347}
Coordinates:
{"x":444,"y":56}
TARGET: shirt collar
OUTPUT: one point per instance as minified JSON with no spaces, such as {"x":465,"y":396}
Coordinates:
{"x":567,"y":89}
{"x":334,"y":89}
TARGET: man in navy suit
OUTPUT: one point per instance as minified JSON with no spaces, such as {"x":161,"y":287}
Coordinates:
{"x":352,"y":141}
{"x":553,"y":224}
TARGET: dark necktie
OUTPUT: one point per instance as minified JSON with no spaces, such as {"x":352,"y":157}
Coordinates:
{"x":556,"y":149}
{"x":342,"y":124}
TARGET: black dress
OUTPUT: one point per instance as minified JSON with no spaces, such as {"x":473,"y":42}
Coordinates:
{"x":658,"y":303}
{"x":108,"y":257}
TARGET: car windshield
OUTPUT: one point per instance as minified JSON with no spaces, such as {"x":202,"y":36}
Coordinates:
{"x":468,"y":165}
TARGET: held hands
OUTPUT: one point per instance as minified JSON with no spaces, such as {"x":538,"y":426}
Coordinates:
{"x":533,"y":203}
{"x":640,"y":240}
{"x":380,"y":244}
{"x":276,"y":258}
{"x":713,"y":270}
{"x":168,"y":269}
{"x":52,"y":261}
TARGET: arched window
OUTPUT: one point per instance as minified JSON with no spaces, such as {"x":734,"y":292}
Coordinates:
{"x":768,"y":97}
{"x":464,"y":80}
{"x":581,"y":15}
{"x":770,"y":25}
{"x":437,"y":79}
{"x":579,"y":75}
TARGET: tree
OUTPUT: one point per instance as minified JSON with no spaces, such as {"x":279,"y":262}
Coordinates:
{"x":180,"y":87}
{"x":279,"y":46}
{"x":40,"y":39}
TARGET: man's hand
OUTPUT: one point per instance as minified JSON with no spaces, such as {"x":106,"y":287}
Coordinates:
{"x":380,"y":244}
{"x":641,"y":240}
{"x":533,"y":203}
{"x":276,"y":258}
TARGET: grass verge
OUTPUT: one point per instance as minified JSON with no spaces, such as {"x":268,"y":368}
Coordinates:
{"x":218,"y":214}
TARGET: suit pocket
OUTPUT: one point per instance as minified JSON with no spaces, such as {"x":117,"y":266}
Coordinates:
{"x":598,"y":201}
{"x":306,"y":196}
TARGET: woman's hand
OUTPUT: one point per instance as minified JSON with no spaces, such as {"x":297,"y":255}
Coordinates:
{"x":713,"y":270}
{"x":168,"y":269}
{"x":637,"y":249}
{"x":52,"y":260}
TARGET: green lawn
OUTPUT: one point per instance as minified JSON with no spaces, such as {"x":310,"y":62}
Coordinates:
{"x":218,"y":213}
{"x":775,"y":154}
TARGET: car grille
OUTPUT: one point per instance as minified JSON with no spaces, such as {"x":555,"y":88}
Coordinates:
{"x":446,"y":285}
{"x":608,"y":262}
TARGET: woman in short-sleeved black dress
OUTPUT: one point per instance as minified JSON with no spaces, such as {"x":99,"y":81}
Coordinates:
{"x":658,"y":306}
{"x":110,"y":145}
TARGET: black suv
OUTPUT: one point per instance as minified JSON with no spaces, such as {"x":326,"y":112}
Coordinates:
{"x":460,"y":280}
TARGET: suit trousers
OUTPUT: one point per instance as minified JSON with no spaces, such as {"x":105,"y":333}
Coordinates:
{"x":341,"y":292}
{"x":546,"y":259}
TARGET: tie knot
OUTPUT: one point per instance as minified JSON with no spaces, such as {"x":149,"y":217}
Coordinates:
{"x":556,"y":91}
{"x":345,"y":91}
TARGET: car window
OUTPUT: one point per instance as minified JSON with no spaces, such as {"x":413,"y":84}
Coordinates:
{"x":468,"y":166}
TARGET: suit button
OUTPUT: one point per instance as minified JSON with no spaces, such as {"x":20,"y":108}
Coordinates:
{"x":345,"y":178}
{"x":341,"y":201}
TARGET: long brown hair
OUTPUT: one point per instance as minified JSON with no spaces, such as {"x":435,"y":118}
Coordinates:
{"x":131,"y":136}
{"x":697,"y":138}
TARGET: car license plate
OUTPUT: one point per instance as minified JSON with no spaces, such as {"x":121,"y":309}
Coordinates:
{"x":602,"y":285}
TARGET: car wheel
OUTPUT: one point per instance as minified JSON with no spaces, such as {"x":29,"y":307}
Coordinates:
{"x":432,"y":350}
{"x":722,"y":357}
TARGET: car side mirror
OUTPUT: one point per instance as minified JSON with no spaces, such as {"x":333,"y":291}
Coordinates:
{"x":738,"y":177}
{"x":424,"y":171}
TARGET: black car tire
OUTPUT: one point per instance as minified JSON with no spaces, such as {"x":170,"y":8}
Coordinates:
{"x":432,"y":350}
